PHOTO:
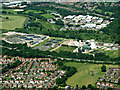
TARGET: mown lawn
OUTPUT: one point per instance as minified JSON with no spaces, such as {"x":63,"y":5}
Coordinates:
{"x":65,"y":48}
{"x":13,"y":22}
{"x":83,"y":77}
{"x":48,"y":16}
{"x":109,"y":13}
{"x":42,"y":43}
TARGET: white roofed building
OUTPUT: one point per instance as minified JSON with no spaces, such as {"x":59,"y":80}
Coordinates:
{"x":89,"y":17}
{"x":90,"y":25}
{"x":98,"y":27}
{"x":6,"y":4}
{"x":69,"y":17}
{"x":93,"y":44}
{"x":95,"y":18}
{"x":103,"y":25}
{"x":73,"y":43}
{"x":12,"y":3}
{"x":100,"y":21}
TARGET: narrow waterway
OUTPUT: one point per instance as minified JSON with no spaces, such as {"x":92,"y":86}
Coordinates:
{"x":29,"y":21}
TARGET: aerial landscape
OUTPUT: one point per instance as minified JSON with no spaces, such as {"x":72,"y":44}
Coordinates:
{"x":66,"y":45}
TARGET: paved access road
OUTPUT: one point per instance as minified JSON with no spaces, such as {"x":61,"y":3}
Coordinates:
{"x":31,"y":70}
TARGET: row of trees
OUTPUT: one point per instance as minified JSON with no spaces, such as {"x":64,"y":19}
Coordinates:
{"x":24,"y":51}
{"x":100,"y":36}
{"x":69,"y":72}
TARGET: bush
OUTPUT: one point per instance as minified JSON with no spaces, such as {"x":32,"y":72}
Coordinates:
{"x":90,"y":86}
{"x":59,"y":22}
{"x":7,"y":18}
{"x":84,"y":87}
{"x":103,"y":68}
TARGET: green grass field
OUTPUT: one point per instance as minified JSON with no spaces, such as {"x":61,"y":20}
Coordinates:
{"x":42,"y":43}
{"x":47,"y":16}
{"x":32,"y":11}
{"x":83,"y":77}
{"x":13,"y":22}
{"x":65,"y":48}
{"x":98,"y":10}
{"x":47,"y":25}
{"x":110,"y":53}
{"x":109,"y":13}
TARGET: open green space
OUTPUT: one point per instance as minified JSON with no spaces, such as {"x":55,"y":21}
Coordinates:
{"x":42,"y":43}
{"x":13,"y":22}
{"x":83,"y":76}
{"x":65,"y":48}
{"x":47,"y":25}
{"x":98,"y":10}
{"x":110,"y":53}
{"x":57,"y":38}
{"x":109,"y":13}
{"x":28,"y":11}
{"x":47,"y":16}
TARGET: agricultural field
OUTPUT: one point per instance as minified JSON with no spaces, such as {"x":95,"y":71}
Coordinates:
{"x":83,"y":76}
{"x":13,"y":22}
{"x":65,"y":48}
{"x":48,"y":16}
